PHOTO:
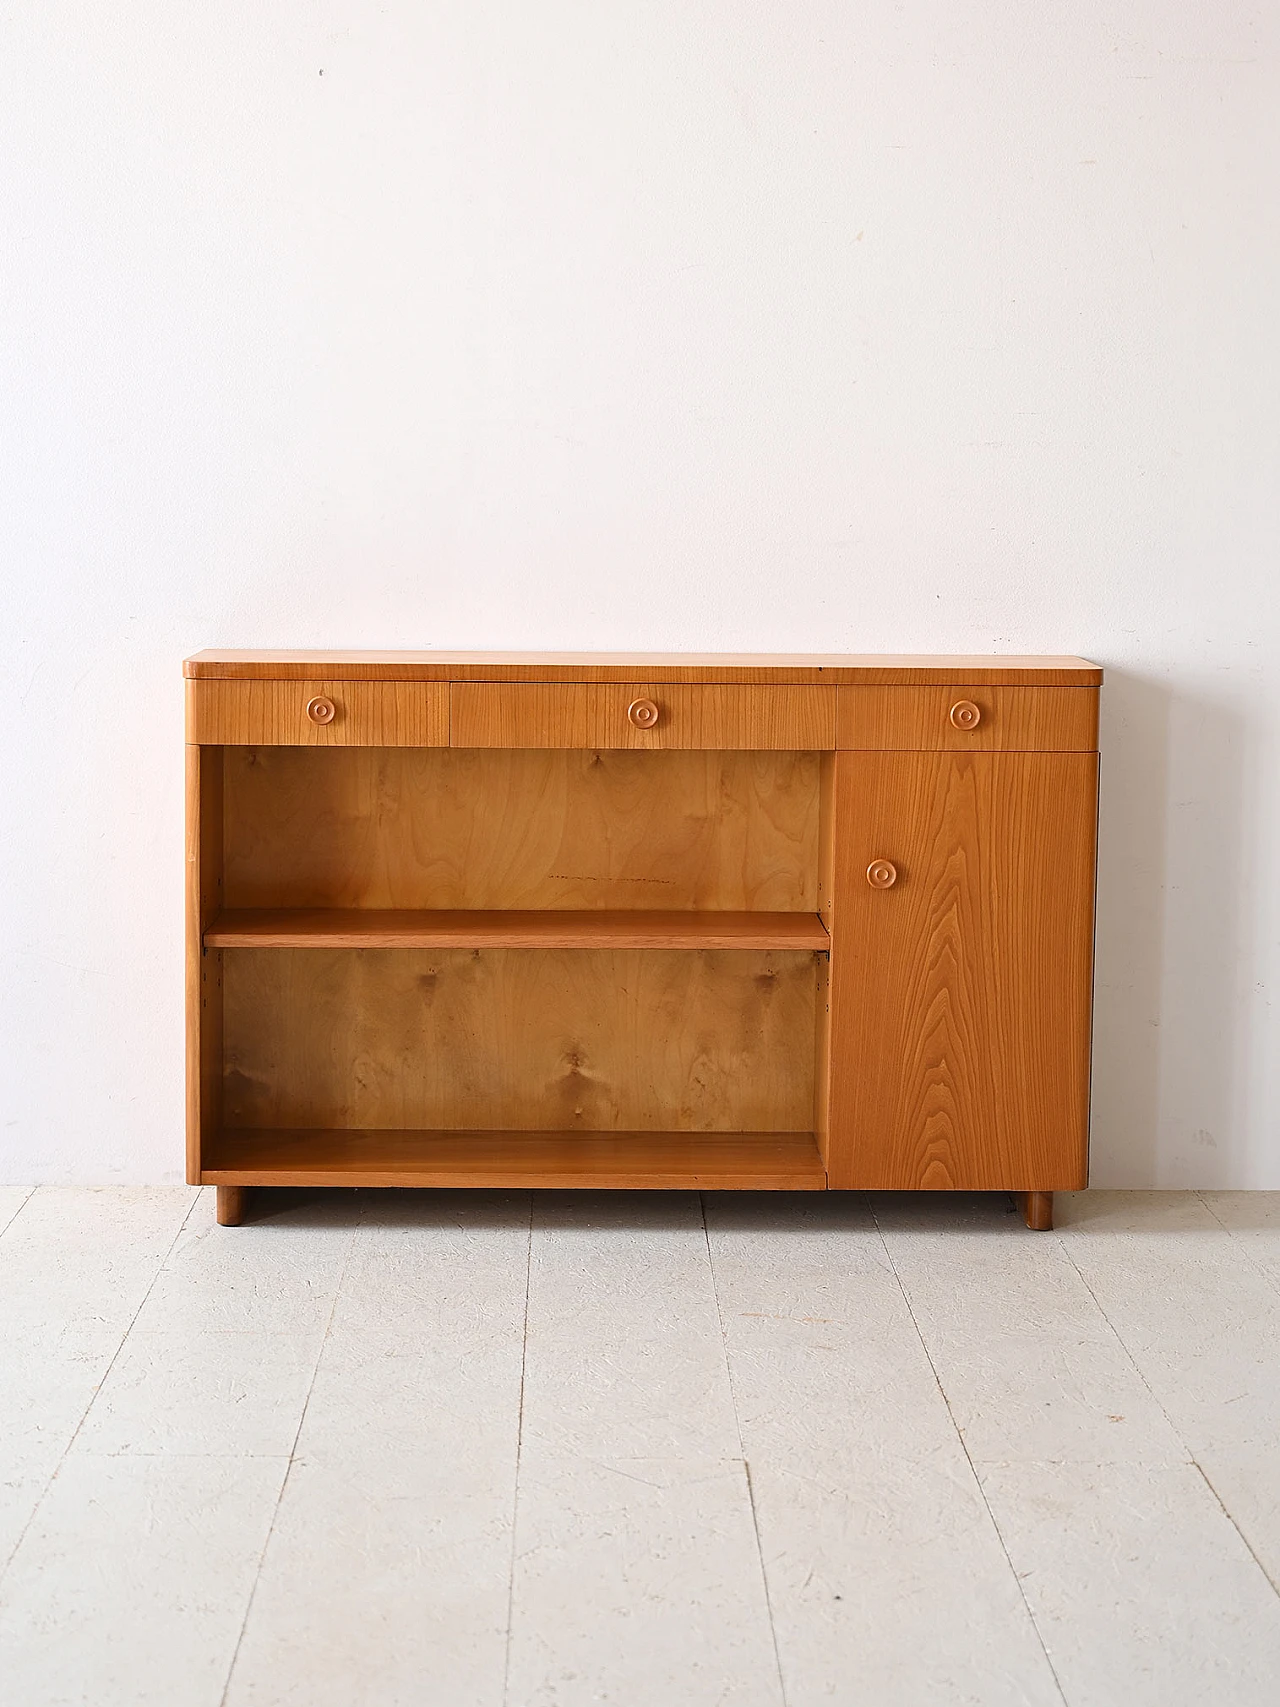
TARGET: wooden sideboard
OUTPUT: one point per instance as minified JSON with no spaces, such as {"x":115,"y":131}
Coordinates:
{"x":722,"y":923}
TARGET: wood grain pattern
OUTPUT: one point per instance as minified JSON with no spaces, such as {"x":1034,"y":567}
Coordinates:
{"x":509,"y":1039}
{"x":274,"y":713}
{"x":961,"y":996}
{"x":496,"y":714}
{"x":204,"y":968}
{"x":300,"y":927}
{"x":633,"y":1161}
{"x":386,"y":827}
{"x":879,"y":719}
{"x":903,"y":668}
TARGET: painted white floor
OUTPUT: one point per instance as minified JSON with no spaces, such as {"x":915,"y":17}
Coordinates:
{"x":473,"y":1450}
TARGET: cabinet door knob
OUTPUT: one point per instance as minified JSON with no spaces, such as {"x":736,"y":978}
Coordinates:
{"x":643,"y":713}
{"x":321,"y":709}
{"x":882,"y":874}
{"x":965,"y":714}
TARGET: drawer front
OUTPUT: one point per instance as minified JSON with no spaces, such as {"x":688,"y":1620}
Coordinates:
{"x":318,"y":714}
{"x":640,"y":715}
{"x":968,"y":719}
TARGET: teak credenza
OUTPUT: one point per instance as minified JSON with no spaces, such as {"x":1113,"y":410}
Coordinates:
{"x":712,"y":923}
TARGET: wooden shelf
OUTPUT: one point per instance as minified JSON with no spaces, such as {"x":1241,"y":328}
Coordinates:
{"x":658,"y":1161}
{"x":297,"y":927}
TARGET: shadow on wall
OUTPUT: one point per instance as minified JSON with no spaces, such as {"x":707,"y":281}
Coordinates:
{"x":1170,"y":1018}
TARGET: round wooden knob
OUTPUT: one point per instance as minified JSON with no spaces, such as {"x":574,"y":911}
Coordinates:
{"x":882,"y":874}
{"x":643,"y":713}
{"x":321,"y":709}
{"x":965,"y":714}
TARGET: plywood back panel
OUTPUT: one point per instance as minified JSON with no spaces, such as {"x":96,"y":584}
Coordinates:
{"x":571,"y":1040}
{"x":417,"y":827}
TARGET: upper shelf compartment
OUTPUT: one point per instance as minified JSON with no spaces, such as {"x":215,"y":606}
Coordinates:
{"x":331,"y":927}
{"x":534,"y":830}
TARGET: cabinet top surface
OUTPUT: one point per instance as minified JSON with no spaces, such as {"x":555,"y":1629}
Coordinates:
{"x":902,"y":669}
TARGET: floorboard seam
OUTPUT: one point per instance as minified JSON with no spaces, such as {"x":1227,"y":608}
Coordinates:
{"x":1119,"y":1339}
{"x":973,"y":1469}
{"x":288,"y":1469}
{"x":1226,"y":1512}
{"x":31,"y":1191}
{"x":1186,"y":1446}
{"x":742,"y":1453}
{"x":1240,"y":1244}
{"x":75,"y":1435}
{"x":515,"y":1491}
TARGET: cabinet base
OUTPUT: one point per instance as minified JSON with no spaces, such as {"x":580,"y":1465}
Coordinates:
{"x":233,"y":1200}
{"x":1037,"y":1209}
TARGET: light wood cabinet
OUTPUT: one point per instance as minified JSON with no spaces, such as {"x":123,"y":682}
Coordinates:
{"x":779,"y":924}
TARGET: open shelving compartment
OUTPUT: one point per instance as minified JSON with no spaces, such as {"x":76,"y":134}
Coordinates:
{"x":451,"y":966}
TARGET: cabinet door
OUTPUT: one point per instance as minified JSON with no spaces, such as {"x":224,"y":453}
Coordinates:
{"x":960,"y":995}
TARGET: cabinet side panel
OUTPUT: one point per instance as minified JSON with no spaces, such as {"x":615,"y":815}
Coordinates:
{"x":204,"y":968}
{"x":961,"y":995}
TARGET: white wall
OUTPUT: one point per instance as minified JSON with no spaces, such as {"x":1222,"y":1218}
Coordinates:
{"x":687,"y":324}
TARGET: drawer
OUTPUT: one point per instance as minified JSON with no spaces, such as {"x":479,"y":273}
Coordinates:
{"x":640,"y":715}
{"x":318,"y":714}
{"x":973,"y":719}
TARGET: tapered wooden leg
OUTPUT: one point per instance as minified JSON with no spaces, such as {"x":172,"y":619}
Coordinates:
{"x":232,"y":1202}
{"x":1037,"y":1209}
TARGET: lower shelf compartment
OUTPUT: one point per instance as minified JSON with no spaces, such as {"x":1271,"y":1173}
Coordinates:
{"x":635,"y":1161}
